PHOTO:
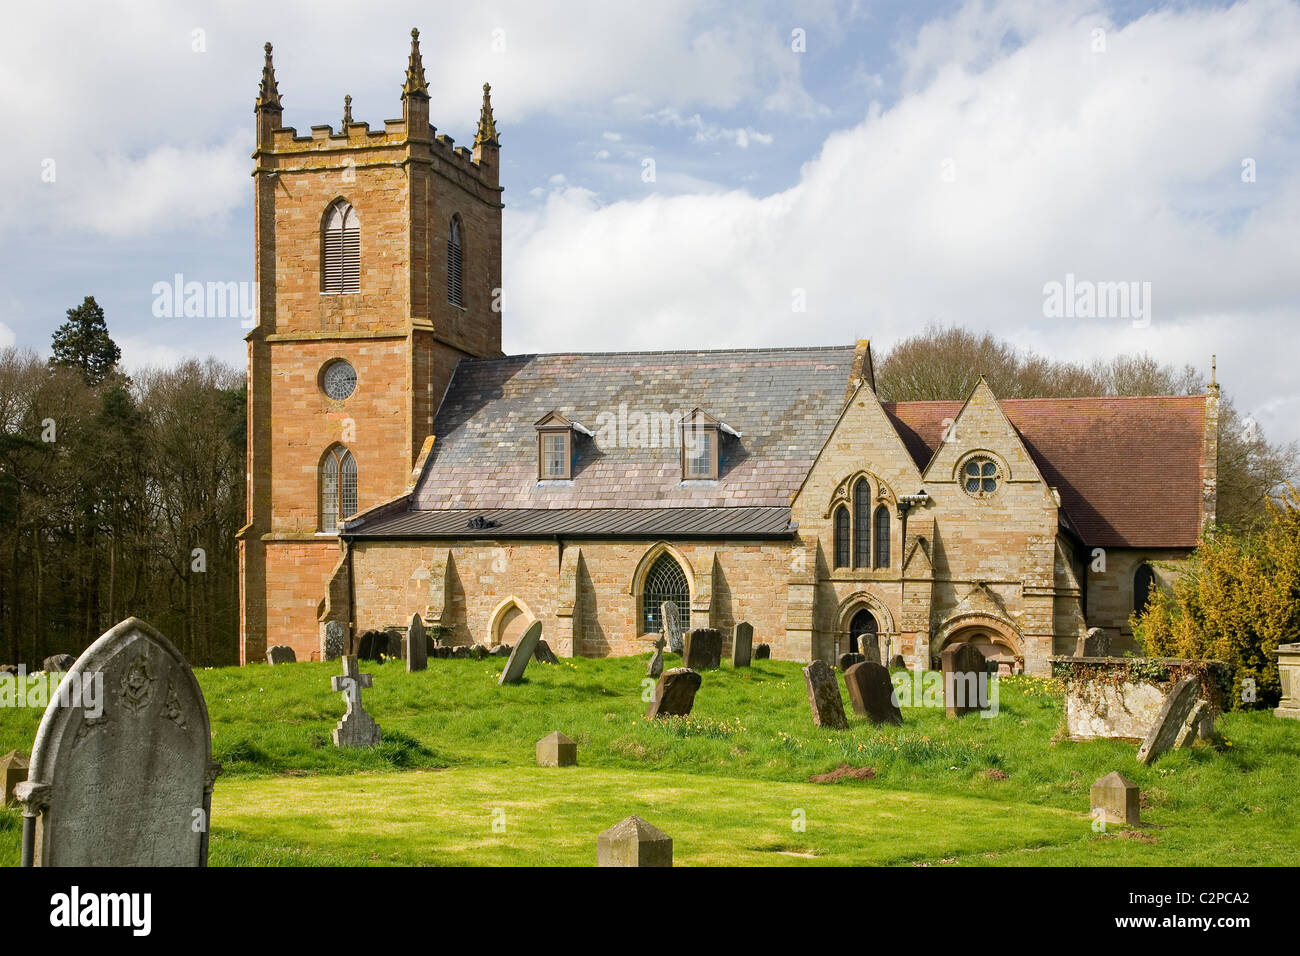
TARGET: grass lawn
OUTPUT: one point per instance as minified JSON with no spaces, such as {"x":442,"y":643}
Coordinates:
{"x":455,"y":781}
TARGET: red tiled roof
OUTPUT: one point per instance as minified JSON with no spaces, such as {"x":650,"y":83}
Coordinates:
{"x":1128,"y":469}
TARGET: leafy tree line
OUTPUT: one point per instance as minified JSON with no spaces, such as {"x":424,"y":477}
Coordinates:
{"x":119,"y":497}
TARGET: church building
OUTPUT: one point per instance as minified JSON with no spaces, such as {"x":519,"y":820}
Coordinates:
{"x":400,"y":463}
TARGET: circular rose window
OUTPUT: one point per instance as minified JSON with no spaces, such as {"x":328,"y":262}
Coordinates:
{"x":339,"y":380}
{"x":979,"y":477}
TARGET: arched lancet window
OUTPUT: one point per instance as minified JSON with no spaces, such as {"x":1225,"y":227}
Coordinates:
{"x":882,"y":537}
{"x":341,"y":249}
{"x":841,"y":537}
{"x":862,"y":525}
{"x":1144,"y":579}
{"x":665,"y":581}
{"x":338,"y":487}
{"x":455,"y":265}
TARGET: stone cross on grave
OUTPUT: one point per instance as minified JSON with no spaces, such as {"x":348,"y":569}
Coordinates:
{"x":357,"y":728}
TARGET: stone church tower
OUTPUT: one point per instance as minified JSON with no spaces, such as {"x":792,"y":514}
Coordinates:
{"x":378,"y":262}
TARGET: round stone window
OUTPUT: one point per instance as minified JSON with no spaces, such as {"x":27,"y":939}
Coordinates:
{"x":339,"y":380}
{"x":980,"y":476}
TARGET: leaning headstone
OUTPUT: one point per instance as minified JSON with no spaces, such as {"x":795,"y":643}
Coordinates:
{"x":556,"y":750}
{"x":964,"y":669}
{"x":675,"y":693}
{"x":671,"y":627}
{"x":543,"y":654}
{"x":281,"y":654}
{"x":702,"y":649}
{"x":58,"y":662}
{"x":416,"y":649}
{"x":633,"y":842}
{"x":123,"y":784}
{"x":656,"y":665}
{"x":522,"y":653}
{"x":357,"y":728}
{"x":762,"y":652}
{"x":13,"y":771}
{"x":1168,"y":728}
{"x":335,"y":642}
{"x":1115,"y":799}
{"x":848,"y":660}
{"x":871,"y":693}
{"x":742,"y":644}
{"x":1187,"y":733}
{"x":1096,"y":643}
{"x":824,"y":696}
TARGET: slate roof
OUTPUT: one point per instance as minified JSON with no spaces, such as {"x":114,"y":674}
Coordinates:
{"x":1128,"y":469}
{"x":762,"y":523}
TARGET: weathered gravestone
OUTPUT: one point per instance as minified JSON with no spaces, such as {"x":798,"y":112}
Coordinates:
{"x":522,"y":653}
{"x":871,"y":693}
{"x":742,"y":644}
{"x":762,"y":652}
{"x":334,"y":642}
{"x":656,"y":665}
{"x":1096,"y":643}
{"x":1168,"y":729}
{"x":58,"y":662}
{"x":543,"y":654}
{"x":478,"y":651}
{"x":1115,"y":799}
{"x":702,"y":649}
{"x":674,"y":695}
{"x":1191,"y":726}
{"x":848,"y":660}
{"x":122,"y":782}
{"x":501,"y":650}
{"x":462,"y":652}
{"x":824,"y":696}
{"x":633,"y":842}
{"x":1288,"y":671}
{"x":416,"y":650}
{"x":965,"y":670}
{"x":897,"y":661}
{"x":13,"y":771}
{"x":281,"y":654}
{"x":357,"y":728}
{"x":556,"y":750}
{"x":372,"y":646}
{"x":671,"y":626}
{"x":396,"y":644}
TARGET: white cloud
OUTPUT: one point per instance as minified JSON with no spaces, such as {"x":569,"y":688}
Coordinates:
{"x":706,"y":132}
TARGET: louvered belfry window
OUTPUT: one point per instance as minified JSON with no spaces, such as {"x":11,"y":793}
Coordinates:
{"x":341,"y":259}
{"x":455,"y":266}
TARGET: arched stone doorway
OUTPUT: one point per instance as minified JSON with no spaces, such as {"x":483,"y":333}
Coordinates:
{"x":864,"y":632}
{"x":509,"y":621}
{"x":993,"y":642}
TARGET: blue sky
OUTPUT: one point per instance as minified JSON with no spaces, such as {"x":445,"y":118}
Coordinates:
{"x":913,"y":163}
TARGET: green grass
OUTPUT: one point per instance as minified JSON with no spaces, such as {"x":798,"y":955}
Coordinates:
{"x":723,"y":782}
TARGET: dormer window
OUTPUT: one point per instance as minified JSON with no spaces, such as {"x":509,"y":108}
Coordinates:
{"x":555,"y":447}
{"x":701,"y":445}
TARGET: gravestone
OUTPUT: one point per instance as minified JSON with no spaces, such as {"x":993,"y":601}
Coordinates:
{"x":396,"y":644}
{"x":522,"y":653}
{"x":372,"y":646}
{"x":871,"y":693}
{"x":1288,"y":671}
{"x":478,"y":651}
{"x":13,"y":771}
{"x":671,"y":628}
{"x":556,"y":750}
{"x":762,"y":652}
{"x":702,"y":649}
{"x":848,"y":660}
{"x":462,"y":652}
{"x":1096,"y":643}
{"x":416,"y":650}
{"x":964,"y":668}
{"x":897,"y":661}
{"x":501,"y":650}
{"x":869,"y":645}
{"x":824,"y":696}
{"x":335,"y":641}
{"x":656,"y":665}
{"x":543,"y":654}
{"x":1115,"y":799}
{"x":633,"y":842}
{"x":441,"y":651}
{"x":1191,"y":726}
{"x":281,"y":654}
{"x":357,"y":728}
{"x":1166,"y":731}
{"x":123,"y":784}
{"x":742,"y":644}
{"x":58,"y":662}
{"x":675,"y":693}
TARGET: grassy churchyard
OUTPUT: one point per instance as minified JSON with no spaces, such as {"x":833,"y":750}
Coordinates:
{"x":455,"y":781}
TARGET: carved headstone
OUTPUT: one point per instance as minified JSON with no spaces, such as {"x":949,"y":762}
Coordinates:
{"x":522,"y":653}
{"x":543,"y":654}
{"x":335,"y":641}
{"x":762,"y":652}
{"x":633,"y":842}
{"x":357,"y":728}
{"x":1096,"y":643}
{"x":556,"y":750}
{"x":13,"y":771}
{"x":1115,"y":799}
{"x":965,"y":671}
{"x":281,"y":654}
{"x":702,"y":649}
{"x":824,"y":696}
{"x":58,"y":662}
{"x":675,"y":693}
{"x":1191,"y":726}
{"x":123,"y":783}
{"x":656,"y":665}
{"x":871,"y":693}
{"x":1168,"y":728}
{"x":671,"y":626}
{"x":848,"y":660}
{"x":416,"y":650}
{"x":742,"y":644}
